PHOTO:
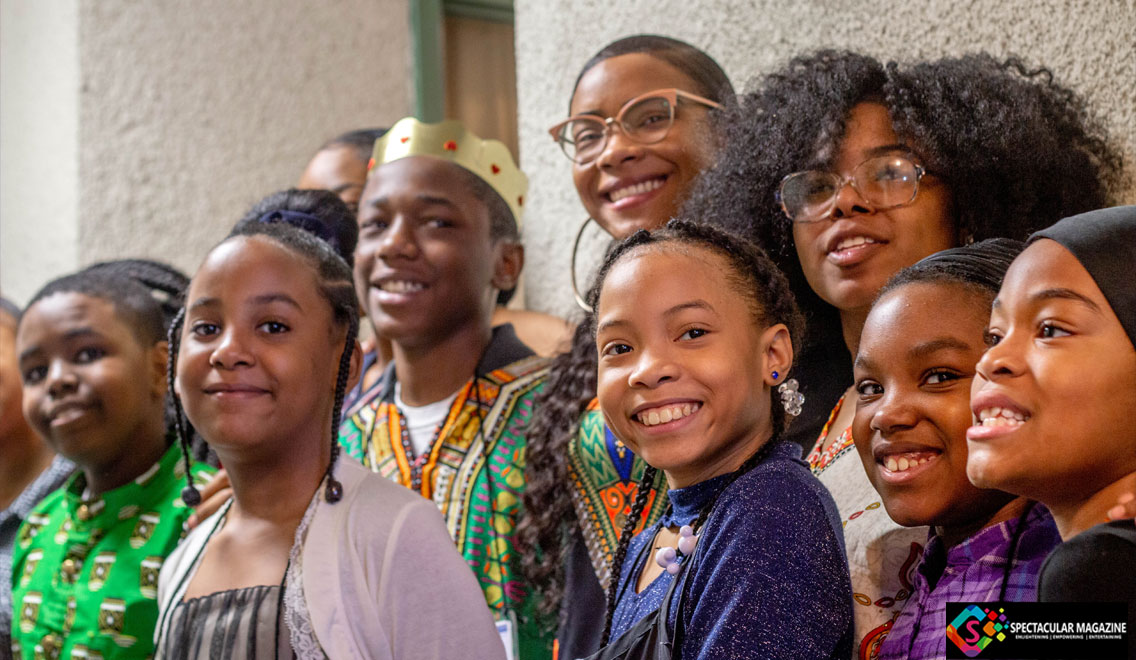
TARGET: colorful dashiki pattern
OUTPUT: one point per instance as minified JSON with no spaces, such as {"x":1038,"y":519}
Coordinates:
{"x":882,"y":556}
{"x":605,"y":475}
{"x":85,"y":572}
{"x":474,"y":470}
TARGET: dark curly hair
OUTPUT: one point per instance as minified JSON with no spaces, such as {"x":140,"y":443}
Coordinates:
{"x":549,"y":512}
{"x":336,"y":285}
{"x":1017,"y":150}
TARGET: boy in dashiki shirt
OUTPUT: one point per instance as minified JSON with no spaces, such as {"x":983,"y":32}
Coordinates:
{"x":913,"y":374}
{"x":438,"y":238}
{"x":85,"y":566}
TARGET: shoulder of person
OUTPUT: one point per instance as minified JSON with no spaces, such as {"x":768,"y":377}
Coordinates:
{"x":1092,"y":565}
{"x":780,"y":481}
{"x":374,"y":507}
{"x":52,"y":503}
{"x":528,"y":369}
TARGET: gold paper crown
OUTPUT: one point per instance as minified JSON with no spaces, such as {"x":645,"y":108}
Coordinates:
{"x":490,"y":160}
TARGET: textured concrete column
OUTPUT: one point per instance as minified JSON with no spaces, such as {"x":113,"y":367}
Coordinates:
{"x":1087,"y":44}
{"x":177,"y":117}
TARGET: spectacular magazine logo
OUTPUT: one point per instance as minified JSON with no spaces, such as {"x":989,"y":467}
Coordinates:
{"x":976,"y":627}
{"x":1037,"y":630}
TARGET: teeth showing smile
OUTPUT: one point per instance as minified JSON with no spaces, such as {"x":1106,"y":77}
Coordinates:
{"x":637,"y":189}
{"x":401,"y":286}
{"x":664,"y":414}
{"x":1001,"y":417}
{"x":853,"y":241}
{"x":906,"y":461}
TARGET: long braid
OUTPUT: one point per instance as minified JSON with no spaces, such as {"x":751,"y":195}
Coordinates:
{"x":333,"y":492}
{"x":190,"y":495}
{"x":642,"y":494}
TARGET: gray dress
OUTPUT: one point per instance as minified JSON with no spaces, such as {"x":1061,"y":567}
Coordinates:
{"x":239,"y":624}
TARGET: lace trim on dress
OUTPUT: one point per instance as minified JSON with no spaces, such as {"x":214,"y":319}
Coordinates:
{"x":299,"y":620}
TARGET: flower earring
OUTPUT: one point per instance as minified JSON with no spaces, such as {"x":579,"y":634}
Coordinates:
{"x":790,"y":397}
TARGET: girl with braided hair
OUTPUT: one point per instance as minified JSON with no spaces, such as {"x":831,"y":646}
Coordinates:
{"x":847,"y":170}
{"x":625,"y":181}
{"x":312,"y":557}
{"x":693,"y":329}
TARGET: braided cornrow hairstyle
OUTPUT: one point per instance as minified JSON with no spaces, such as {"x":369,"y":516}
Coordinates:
{"x":979,"y":266}
{"x":753,"y":276}
{"x":182,"y":428}
{"x":642,"y":494}
{"x":166,"y":284}
{"x":337,"y":287}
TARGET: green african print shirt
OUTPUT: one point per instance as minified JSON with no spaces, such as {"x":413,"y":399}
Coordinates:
{"x":473,"y":471}
{"x":85,"y":572}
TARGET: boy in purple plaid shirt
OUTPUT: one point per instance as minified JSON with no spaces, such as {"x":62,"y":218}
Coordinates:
{"x":913,"y":373}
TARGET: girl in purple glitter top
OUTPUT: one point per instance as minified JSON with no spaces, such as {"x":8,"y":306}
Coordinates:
{"x":694,"y":331}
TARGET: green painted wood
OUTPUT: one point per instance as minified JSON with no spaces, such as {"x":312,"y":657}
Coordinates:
{"x":498,"y":11}
{"x":429,"y":74}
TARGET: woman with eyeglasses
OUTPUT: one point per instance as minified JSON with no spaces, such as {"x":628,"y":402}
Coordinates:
{"x":846,"y":171}
{"x":641,"y":128}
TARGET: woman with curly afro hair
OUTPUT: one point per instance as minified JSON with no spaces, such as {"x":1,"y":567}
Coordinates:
{"x":847,"y":170}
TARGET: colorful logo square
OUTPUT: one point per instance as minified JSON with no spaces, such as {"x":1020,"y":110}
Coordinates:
{"x":976,"y":627}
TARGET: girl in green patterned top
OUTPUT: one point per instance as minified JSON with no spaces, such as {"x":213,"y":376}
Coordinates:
{"x":85,"y":567}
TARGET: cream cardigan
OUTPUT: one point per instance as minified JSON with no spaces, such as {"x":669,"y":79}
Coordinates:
{"x":381,"y":577}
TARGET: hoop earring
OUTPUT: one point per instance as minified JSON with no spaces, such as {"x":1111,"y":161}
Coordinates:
{"x":583,"y":304}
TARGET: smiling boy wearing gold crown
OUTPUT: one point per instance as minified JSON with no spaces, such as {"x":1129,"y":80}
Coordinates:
{"x":438,"y":238}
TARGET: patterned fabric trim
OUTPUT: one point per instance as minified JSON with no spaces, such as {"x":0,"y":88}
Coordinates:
{"x":604,"y":475}
{"x":819,"y":460}
{"x":473,"y":470}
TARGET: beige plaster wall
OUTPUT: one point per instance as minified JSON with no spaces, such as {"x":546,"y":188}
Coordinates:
{"x":39,"y":128}
{"x":1089,"y":44}
{"x":189,"y":112}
